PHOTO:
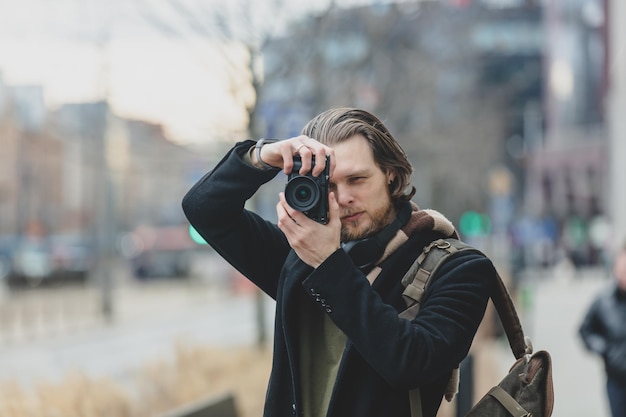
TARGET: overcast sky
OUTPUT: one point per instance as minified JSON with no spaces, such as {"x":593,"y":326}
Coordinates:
{"x":154,"y":59}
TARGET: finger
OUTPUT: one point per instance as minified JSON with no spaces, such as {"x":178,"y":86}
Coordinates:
{"x":333,"y":207}
{"x":333,"y":161}
{"x":296,"y":146}
{"x":320,"y":160}
{"x":307,"y":148}
{"x":305,"y":158}
{"x":319,"y":151}
{"x":289,"y":211}
{"x":294,"y":215}
{"x":287,"y":160}
{"x":285,"y":222}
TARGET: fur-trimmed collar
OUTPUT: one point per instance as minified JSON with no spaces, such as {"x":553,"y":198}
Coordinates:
{"x":421,"y":221}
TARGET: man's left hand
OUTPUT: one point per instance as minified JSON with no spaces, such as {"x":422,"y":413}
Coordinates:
{"x":313,"y":242}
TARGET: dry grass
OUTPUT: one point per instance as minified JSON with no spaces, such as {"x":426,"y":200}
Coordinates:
{"x":75,"y":396}
{"x":197,"y":372}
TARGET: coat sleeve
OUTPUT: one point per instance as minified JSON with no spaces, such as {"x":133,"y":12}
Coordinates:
{"x":215,"y":207}
{"x":591,"y":329}
{"x":407,"y":354}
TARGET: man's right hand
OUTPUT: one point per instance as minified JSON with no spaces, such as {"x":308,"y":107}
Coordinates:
{"x":280,"y":155}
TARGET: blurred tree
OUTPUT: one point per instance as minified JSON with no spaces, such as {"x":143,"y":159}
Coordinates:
{"x":244,"y":25}
{"x":420,"y":67}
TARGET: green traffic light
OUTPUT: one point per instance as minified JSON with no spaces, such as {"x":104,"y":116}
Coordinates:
{"x":474,"y":224}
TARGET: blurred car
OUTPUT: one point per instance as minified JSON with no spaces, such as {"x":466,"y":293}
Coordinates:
{"x":30,"y":261}
{"x":159,"y":252}
{"x":5,"y":259}
{"x":73,"y":257}
{"x":24,"y":260}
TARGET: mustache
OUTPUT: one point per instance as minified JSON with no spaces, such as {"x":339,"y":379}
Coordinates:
{"x":347,"y":213}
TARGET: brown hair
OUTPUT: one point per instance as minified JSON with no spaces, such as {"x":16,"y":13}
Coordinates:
{"x":336,"y":125}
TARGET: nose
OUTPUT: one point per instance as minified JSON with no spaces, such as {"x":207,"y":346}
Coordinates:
{"x":343,"y":194}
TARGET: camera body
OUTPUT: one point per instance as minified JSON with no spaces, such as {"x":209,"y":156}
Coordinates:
{"x":309,"y":194}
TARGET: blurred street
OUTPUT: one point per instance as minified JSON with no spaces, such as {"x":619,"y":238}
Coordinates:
{"x":153,"y":317}
{"x":558,"y":304}
{"x":151,"y":320}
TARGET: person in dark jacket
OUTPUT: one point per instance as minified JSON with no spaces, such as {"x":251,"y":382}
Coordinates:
{"x":340,"y":348}
{"x":603,"y":331}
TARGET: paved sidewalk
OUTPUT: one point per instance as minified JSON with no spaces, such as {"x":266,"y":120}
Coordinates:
{"x":559,"y":302}
{"x":149,"y":323}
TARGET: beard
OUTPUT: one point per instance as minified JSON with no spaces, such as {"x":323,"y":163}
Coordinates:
{"x":380,"y":218}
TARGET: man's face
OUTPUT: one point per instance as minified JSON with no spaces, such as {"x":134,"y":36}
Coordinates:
{"x":362,"y":190}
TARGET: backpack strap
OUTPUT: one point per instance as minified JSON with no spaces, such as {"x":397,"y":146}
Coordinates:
{"x":418,"y":276}
{"x":414,"y":282}
{"x":417,"y":279}
{"x":424,"y":267}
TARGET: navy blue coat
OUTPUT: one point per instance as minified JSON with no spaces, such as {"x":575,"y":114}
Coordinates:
{"x":385,"y":356}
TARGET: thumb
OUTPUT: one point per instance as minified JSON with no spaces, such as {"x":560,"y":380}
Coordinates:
{"x":333,"y":207}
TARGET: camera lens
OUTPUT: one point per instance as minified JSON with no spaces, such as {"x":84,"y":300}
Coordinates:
{"x":302,"y":193}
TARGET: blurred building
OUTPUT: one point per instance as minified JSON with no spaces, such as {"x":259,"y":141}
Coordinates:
{"x":616,"y":103}
{"x":568,"y":169}
{"x":459,"y":83}
{"x":146,"y":172}
{"x":55,"y":166}
{"x":508,"y":92}
{"x":30,"y":163}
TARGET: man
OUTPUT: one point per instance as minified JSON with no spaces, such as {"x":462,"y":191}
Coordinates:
{"x":340,"y":348}
{"x":603,"y":331}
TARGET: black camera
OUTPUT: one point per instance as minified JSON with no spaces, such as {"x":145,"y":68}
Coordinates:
{"x":307,"y":193}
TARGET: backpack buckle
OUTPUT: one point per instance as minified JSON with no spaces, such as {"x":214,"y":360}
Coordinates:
{"x":442,"y":244}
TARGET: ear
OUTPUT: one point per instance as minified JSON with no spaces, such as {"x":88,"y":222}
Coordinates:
{"x":390,"y":177}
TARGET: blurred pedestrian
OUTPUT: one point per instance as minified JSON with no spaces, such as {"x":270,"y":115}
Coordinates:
{"x":340,"y":348}
{"x":603,"y":331}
